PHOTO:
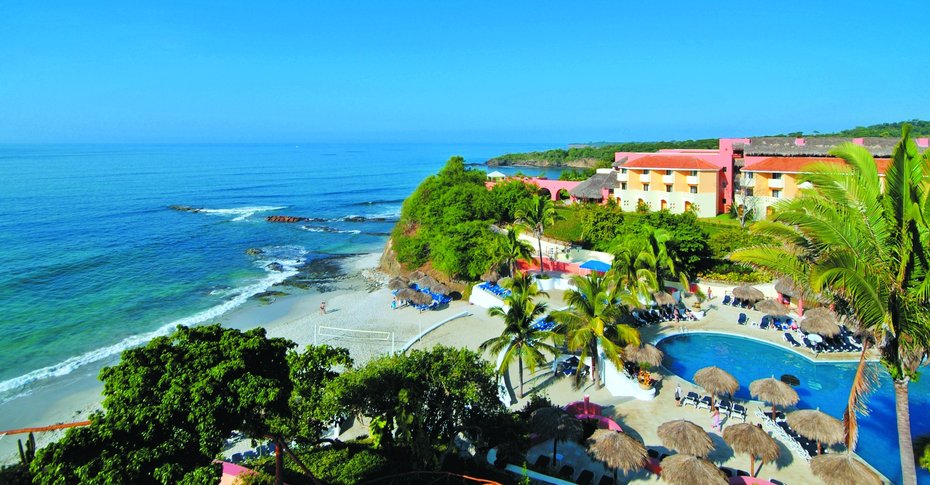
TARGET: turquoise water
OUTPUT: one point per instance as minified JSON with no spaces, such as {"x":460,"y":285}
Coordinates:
{"x":823,"y":385}
{"x":92,"y":261}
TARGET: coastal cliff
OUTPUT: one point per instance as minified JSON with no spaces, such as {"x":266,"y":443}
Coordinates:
{"x":544,"y":162}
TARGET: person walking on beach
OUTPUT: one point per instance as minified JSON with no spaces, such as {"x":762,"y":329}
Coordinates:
{"x":710,"y":293}
{"x":322,"y":308}
{"x":715,"y":418}
{"x":394,"y":303}
{"x":678,"y":395}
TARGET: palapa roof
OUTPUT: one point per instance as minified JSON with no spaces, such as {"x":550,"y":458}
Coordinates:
{"x":685,"y":437}
{"x":843,"y":469}
{"x":802,"y":164}
{"x":688,"y":470}
{"x":593,"y":187}
{"x":774,"y":391}
{"x":817,"y":425}
{"x":646,"y":353}
{"x":670,"y":162}
{"x":786,"y":146}
{"x":749,"y":439}
{"x":618,"y":450}
{"x":555,"y":422}
{"x":772,"y":307}
{"x":715,"y":380}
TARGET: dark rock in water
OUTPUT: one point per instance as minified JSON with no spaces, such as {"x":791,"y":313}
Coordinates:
{"x":268,"y":295}
{"x":185,"y":208}
{"x":254,"y":252}
{"x":354,"y":219}
{"x":287,"y":219}
{"x":275,"y":267}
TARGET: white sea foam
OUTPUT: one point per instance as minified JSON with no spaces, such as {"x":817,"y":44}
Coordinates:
{"x":331,"y":230}
{"x":290,"y":257}
{"x":241,"y":213}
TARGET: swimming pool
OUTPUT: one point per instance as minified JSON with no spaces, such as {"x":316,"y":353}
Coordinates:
{"x":823,"y":385}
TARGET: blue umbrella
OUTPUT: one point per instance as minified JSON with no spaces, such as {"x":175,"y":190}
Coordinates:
{"x":596,"y":265}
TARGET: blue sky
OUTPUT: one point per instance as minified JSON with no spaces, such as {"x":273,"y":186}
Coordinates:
{"x":453,"y":71}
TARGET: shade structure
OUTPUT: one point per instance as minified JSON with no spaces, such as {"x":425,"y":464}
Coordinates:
{"x":817,"y":425}
{"x":774,"y":391}
{"x":491,"y":276}
{"x":416,"y":275}
{"x":786,"y":286}
{"x":772,"y":307}
{"x":686,"y":469}
{"x":617,"y":450}
{"x":643,"y":354}
{"x":716,"y":381}
{"x":663,"y":298}
{"x":427,"y":282}
{"x":407,"y":294}
{"x":821,"y":321}
{"x":421,"y":298}
{"x":595,"y":265}
{"x":748,"y":293}
{"x":496,"y":175}
{"x":557,"y":424}
{"x":441,"y":289}
{"x":397,"y":283}
{"x":684,"y":436}
{"x":843,"y":469}
{"x":751,"y":440}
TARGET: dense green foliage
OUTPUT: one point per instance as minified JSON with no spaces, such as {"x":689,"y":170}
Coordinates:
{"x":347,"y":466}
{"x":170,"y":405}
{"x":601,"y":154}
{"x":447,"y":220}
{"x":420,"y":400}
{"x":576,"y":175}
{"x":918,"y":128}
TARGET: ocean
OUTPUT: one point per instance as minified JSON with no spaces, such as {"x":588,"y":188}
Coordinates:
{"x":93,"y":261}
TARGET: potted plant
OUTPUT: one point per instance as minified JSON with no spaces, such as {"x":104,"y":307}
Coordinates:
{"x":644,"y":377}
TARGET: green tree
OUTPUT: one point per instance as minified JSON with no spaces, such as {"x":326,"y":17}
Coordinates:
{"x":536,"y":214}
{"x":170,"y":405}
{"x":463,"y":250}
{"x":854,"y":241}
{"x":512,"y":249}
{"x":422,"y":399}
{"x":519,"y":339}
{"x":509,"y":195}
{"x":594,"y":319}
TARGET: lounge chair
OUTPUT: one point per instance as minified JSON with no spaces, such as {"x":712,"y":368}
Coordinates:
{"x":790,"y":339}
{"x":652,"y":453}
{"x":586,"y":477}
{"x":764,"y":324}
{"x":542,"y":462}
{"x":729,"y":472}
{"x":606,"y":480}
{"x":742,"y":319}
{"x":567,"y":471}
{"x":726,"y":300}
{"x":742,"y":473}
{"x":236,"y":458}
{"x":704,"y":403}
{"x":691,"y":398}
{"x":725,"y":406}
{"x":739,"y":410}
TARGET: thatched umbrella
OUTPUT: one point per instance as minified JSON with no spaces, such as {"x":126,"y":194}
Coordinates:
{"x":752,"y":440}
{"x":715,"y":381}
{"x":663,"y":298}
{"x":556,"y":423}
{"x":427,"y":282}
{"x":821,"y":321}
{"x":397,"y":283}
{"x":817,"y":425}
{"x":491,"y":276}
{"x":772,"y":307}
{"x":748,"y":293}
{"x":617,"y":450}
{"x":441,"y":289}
{"x":685,"y":437}
{"x":786,"y":286}
{"x":421,"y":298}
{"x":688,"y":470}
{"x":843,"y":469}
{"x":774,"y":391}
{"x":407,"y":294}
{"x":416,"y":275}
{"x":645,"y":354}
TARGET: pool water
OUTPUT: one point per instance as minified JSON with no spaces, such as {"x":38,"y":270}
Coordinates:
{"x":823,"y":385}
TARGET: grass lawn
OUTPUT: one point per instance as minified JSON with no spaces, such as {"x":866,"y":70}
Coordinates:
{"x":568,"y":228}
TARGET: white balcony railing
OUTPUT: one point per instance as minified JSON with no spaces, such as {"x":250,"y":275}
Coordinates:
{"x":645,"y":177}
{"x":623,"y":177}
{"x":692,"y":180}
{"x":668,"y":179}
{"x":776,"y":183}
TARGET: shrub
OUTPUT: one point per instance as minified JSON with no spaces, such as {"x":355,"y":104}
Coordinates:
{"x":346,"y":466}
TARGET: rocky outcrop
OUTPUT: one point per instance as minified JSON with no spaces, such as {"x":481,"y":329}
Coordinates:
{"x":286,"y":219}
{"x":185,"y":208}
{"x":254,"y":252}
{"x":578,"y":163}
{"x":275,"y":266}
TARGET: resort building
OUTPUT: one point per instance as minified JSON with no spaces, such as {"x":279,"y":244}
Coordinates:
{"x":750,"y":173}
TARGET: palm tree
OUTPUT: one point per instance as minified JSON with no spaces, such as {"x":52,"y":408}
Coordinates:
{"x":866,"y":247}
{"x":521,"y":286}
{"x":512,"y":249}
{"x":537,"y":213}
{"x":642,"y":263}
{"x":593,"y":319}
{"x":519,"y":339}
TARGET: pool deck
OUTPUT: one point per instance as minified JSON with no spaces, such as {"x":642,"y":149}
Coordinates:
{"x":642,"y":418}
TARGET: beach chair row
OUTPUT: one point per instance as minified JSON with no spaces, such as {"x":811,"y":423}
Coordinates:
{"x":780,"y":432}
{"x":724,"y":405}
{"x":728,"y":300}
{"x":494,"y":289}
{"x":567,"y":472}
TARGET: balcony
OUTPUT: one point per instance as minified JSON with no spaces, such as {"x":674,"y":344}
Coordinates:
{"x":645,"y":177}
{"x":776,"y":183}
{"x":668,"y":179}
{"x":623,"y":177}
{"x":747,"y":181}
{"x":692,"y":179}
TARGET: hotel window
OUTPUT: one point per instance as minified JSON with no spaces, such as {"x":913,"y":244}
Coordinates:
{"x":776,"y":176}
{"x":776,"y":194}
{"x":622,"y":170}
{"x":693,"y":189}
{"x":749,"y":175}
{"x":646,"y":172}
{"x":668,"y":172}
{"x":668,"y":188}
{"x":694,"y":173}
{"x":622,"y":185}
{"x":645,"y":186}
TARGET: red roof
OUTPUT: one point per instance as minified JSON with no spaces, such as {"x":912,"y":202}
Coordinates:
{"x":801,"y":164}
{"x":670,"y":162}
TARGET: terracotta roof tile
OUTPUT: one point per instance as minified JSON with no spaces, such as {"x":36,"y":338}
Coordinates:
{"x":800,"y":164}
{"x":670,"y":162}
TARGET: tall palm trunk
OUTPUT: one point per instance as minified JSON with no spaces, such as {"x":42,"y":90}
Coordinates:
{"x":594,"y":371}
{"x":520,"y":364}
{"x":538,"y":233}
{"x":902,"y":410}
